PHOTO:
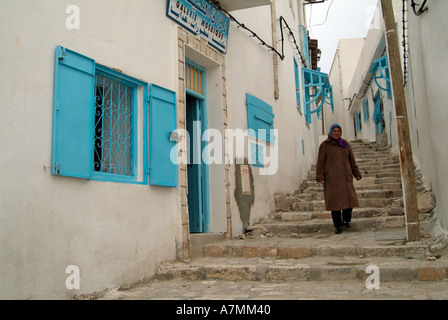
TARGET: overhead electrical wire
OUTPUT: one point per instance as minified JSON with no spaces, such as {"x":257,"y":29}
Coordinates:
{"x":262,"y":42}
{"x":421,"y":9}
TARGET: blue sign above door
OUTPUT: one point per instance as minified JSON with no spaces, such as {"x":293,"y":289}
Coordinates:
{"x":201,"y":18}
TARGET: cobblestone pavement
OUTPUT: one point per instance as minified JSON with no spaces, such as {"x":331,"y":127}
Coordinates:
{"x":181,"y":289}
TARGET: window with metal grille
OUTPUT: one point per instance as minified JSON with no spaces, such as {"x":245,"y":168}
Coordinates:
{"x":114,"y":126}
{"x":108,"y":126}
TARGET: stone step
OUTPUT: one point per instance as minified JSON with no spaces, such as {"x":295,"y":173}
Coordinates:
{"x":319,"y":205}
{"x":357,"y":213}
{"x":315,"y":202}
{"x":364,"y":181}
{"x":397,"y":186}
{"x":383,"y":243}
{"x":280,"y":270}
{"x":369,"y":164}
{"x":368,"y":173}
{"x":361,"y":194}
{"x":294,"y":228}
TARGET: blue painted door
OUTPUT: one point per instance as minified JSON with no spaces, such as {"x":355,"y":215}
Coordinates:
{"x":378,"y":115}
{"x":195,"y":166}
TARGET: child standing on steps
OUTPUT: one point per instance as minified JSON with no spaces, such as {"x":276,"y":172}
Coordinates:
{"x":335,"y":169}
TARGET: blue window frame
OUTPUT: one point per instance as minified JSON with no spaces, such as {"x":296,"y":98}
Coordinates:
{"x":316,"y":85}
{"x":380,"y":70}
{"x":100,"y":122}
{"x":115,"y":127}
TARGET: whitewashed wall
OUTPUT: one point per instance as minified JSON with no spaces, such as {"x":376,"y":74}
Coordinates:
{"x":115,"y":233}
{"x":118,"y":233}
{"x":426,"y":97}
{"x":250,"y":69}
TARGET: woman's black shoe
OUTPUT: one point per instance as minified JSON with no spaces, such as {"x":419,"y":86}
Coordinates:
{"x":338,"y":230}
{"x":347,"y":225}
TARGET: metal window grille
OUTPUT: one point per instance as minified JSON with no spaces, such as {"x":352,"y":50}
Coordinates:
{"x":114,"y":129}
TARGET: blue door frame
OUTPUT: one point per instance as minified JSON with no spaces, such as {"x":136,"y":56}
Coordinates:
{"x":378,"y":114}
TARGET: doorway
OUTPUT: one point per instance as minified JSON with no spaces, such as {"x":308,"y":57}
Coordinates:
{"x":378,"y":116}
{"x":198,"y":204}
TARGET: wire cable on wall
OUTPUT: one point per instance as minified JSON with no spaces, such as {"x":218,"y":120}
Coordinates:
{"x":405,"y":43}
{"x":262,"y":42}
{"x":421,"y":9}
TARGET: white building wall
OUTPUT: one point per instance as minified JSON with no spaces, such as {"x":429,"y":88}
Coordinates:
{"x":118,"y":233}
{"x":342,"y":70}
{"x":115,"y":233}
{"x":250,"y":69}
{"x":426,"y":97}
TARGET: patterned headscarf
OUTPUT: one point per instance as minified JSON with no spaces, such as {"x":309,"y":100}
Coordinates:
{"x":340,"y":141}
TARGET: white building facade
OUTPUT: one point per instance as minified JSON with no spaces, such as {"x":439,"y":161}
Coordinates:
{"x":121,"y":128}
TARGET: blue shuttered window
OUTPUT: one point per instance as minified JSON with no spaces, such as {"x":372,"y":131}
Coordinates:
{"x":365,"y":108}
{"x":96,"y":124}
{"x":73,"y":114}
{"x":162,"y":171}
{"x":260,"y":119}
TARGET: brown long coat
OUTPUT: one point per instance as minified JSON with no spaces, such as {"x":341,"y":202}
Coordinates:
{"x":337,"y":166}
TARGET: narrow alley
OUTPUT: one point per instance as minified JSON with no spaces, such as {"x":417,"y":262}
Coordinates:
{"x":294,"y":254}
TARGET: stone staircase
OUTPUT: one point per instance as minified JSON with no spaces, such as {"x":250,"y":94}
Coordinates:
{"x":298,"y":243}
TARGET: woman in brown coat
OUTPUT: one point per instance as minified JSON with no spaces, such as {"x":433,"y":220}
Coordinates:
{"x":336,"y":167}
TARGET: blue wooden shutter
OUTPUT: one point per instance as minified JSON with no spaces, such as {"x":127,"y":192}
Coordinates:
{"x":364,"y":109}
{"x":297,"y":81}
{"x":162,"y":117}
{"x":73,"y":114}
{"x":260,"y":118}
